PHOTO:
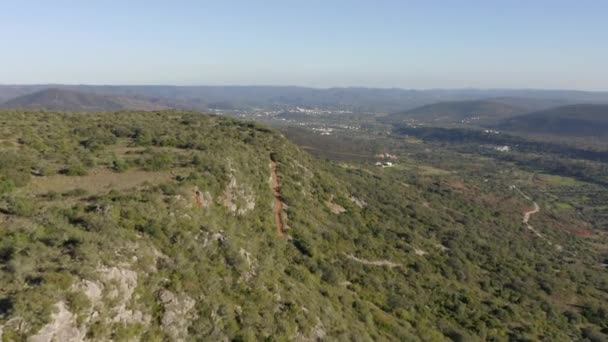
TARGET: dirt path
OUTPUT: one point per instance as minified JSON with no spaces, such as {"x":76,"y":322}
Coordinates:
{"x":386,"y":263}
{"x":529,"y":213}
{"x":278,"y":204}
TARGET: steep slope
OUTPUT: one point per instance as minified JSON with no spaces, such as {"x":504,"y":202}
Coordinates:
{"x":67,"y":100}
{"x":574,"y":120}
{"x":473,"y":112}
{"x":164,"y":225}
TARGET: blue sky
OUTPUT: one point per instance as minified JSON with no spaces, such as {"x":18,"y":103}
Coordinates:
{"x":408,"y":44}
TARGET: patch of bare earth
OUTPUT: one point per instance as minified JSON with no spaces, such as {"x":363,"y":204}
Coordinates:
{"x":384,"y":263}
{"x":99,"y":180}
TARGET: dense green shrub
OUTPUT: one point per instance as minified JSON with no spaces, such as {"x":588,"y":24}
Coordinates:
{"x":158,"y":162}
{"x":19,"y":205}
{"x":120,"y":165}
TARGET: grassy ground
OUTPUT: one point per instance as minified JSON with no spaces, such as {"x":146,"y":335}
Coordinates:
{"x":560,"y":180}
{"x":100,"y":181}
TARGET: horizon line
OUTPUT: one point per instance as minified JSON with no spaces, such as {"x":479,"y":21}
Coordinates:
{"x":298,"y":86}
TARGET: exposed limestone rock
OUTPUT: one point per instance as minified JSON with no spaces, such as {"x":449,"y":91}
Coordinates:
{"x":120,"y":283}
{"x":359,"y":202}
{"x":177,"y":314}
{"x":219,"y":237}
{"x":250,"y":262}
{"x":180,"y":200}
{"x":124,"y":281}
{"x":442,"y":247}
{"x":94,"y":292}
{"x":317,"y":333}
{"x":419,"y":252}
{"x":62,"y":327}
{"x":110,"y":297}
{"x":202,"y":199}
{"x":91,"y":289}
{"x":237,"y":198}
{"x":156,"y":255}
{"x":334,"y":207}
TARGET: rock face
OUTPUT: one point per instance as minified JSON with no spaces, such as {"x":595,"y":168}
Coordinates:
{"x":202,"y":199}
{"x":359,"y":202}
{"x":120,"y":285}
{"x":177,"y":314}
{"x":334,"y":207}
{"x":92,"y":290}
{"x":251,"y":263}
{"x":116,"y":286}
{"x":237,"y":198}
{"x":63,"y":327}
{"x":317,"y":333}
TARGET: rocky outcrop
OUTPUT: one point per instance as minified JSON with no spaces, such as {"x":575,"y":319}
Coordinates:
{"x":237,"y":198}
{"x":358,"y":202}
{"x":334,"y":207}
{"x":252,"y":271}
{"x":177,"y":314}
{"x":63,"y":327}
{"x":202,"y":199}
{"x":120,"y":283}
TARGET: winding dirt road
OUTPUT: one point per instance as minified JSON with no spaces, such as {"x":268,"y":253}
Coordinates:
{"x":528,"y":214}
{"x":278,"y":204}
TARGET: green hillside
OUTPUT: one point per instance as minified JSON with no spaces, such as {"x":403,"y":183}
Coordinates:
{"x":575,"y":120}
{"x":73,"y":101}
{"x":478,"y":112}
{"x":160,"y":226}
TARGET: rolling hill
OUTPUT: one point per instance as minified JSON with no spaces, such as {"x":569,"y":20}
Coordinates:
{"x":68,"y":100}
{"x":363,"y":100}
{"x":575,"y":120}
{"x":531,"y":104}
{"x":480,"y":112}
{"x":178,"y":225}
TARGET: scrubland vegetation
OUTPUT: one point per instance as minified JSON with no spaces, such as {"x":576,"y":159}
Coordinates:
{"x":159,"y":226}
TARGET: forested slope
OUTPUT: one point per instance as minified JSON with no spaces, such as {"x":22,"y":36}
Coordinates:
{"x":582,"y":120}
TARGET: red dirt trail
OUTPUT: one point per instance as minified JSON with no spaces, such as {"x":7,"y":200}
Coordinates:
{"x":278,"y":205}
{"x":581,"y":231}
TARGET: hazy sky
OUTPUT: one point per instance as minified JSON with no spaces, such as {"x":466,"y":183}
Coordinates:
{"x":409,"y":44}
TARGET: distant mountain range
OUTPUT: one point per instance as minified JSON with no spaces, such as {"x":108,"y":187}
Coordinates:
{"x":574,"y":120}
{"x":68,"y":100}
{"x":578,"y":120}
{"x":356,"y":99}
{"x":513,"y":110}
